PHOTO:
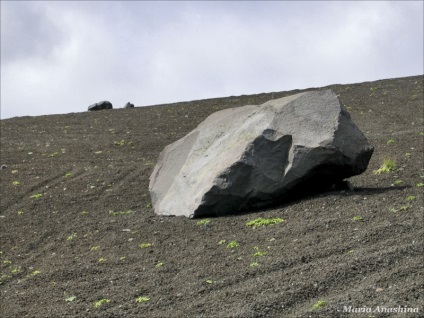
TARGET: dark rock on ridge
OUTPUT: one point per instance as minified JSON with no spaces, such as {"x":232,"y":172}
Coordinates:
{"x":100,"y":105}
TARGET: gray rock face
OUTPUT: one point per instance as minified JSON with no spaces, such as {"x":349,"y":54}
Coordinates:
{"x":100,"y":105}
{"x":254,"y":156}
{"x":129,"y":105}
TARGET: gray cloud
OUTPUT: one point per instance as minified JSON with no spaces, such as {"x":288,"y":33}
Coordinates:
{"x":59,"y":57}
{"x":26,"y":32}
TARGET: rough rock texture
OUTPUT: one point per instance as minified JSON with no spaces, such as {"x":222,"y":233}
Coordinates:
{"x":100,"y":105}
{"x":255,"y":156}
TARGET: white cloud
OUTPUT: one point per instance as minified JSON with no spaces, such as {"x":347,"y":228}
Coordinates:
{"x":59,"y":57}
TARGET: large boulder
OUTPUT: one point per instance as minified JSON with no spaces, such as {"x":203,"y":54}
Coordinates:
{"x":100,"y":105}
{"x":255,"y":156}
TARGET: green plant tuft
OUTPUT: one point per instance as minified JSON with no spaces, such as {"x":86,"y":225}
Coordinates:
{"x":258,"y":253}
{"x":34,"y":273}
{"x":71,"y":237}
{"x":397,"y":182}
{"x":159,"y":264}
{"x":70,"y":298}
{"x":387,"y":166}
{"x":99,"y":303}
{"x":233,"y":244}
{"x":121,"y":212}
{"x":319,"y":304}
{"x":142,"y":299}
{"x":264,"y":222}
{"x":203,"y":222}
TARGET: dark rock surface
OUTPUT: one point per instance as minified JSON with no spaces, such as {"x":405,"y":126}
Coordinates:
{"x":254,"y":156}
{"x":100,"y":105}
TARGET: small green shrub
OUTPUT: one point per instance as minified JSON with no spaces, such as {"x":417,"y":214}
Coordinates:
{"x":99,"y":303}
{"x":71,"y":237}
{"x":203,"y":222}
{"x":233,"y":244}
{"x":159,"y":264}
{"x":54,"y":154}
{"x":390,"y":141}
{"x":142,"y":299}
{"x":319,"y":304}
{"x":357,"y":218}
{"x":387,"y":166}
{"x":70,"y":298}
{"x":34,"y":273}
{"x":264,"y":222}
{"x":121,"y":212}
{"x":145,"y":245}
{"x":258,"y":253}
{"x":119,"y":143}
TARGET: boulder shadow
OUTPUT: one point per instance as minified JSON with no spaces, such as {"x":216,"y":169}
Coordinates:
{"x":312,"y":194}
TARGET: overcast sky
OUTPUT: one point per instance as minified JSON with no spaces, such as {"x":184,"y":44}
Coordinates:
{"x":62,"y":56}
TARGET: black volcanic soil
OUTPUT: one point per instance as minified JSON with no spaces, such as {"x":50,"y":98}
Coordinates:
{"x":76,"y":211}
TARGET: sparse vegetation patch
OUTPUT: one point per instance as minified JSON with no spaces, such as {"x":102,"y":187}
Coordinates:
{"x":100,"y":302}
{"x":319,"y":304}
{"x":264,"y":222}
{"x":387,"y":166}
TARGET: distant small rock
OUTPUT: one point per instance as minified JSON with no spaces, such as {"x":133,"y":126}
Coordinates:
{"x":100,"y":105}
{"x":129,"y":105}
{"x":3,"y":167}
